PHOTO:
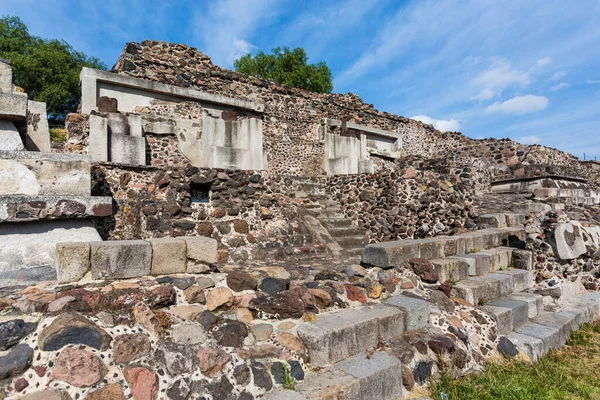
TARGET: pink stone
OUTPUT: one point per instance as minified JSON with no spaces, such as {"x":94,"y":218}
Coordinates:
{"x":212,"y":361}
{"x":142,"y":383}
{"x":218,"y":297}
{"x":78,"y":367}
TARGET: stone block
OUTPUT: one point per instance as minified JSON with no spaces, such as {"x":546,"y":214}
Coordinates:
{"x":390,"y":254}
{"x":316,"y":342}
{"x":330,"y":383}
{"x":169,"y":256}
{"x":453,"y":269}
{"x":523,"y":259}
{"x":568,"y":240}
{"x":366,"y":325}
{"x":379,"y":376}
{"x":120,"y":259}
{"x":501,"y":257}
{"x":534,"y":302}
{"x":391,"y":321}
{"x":201,"y":253}
{"x":530,"y":345}
{"x":593,"y":300}
{"x":98,"y":140}
{"x":416,"y":311}
{"x":474,"y":241}
{"x":10,"y":139}
{"x":563,"y":323}
{"x":502,"y":316}
{"x":503,"y":282}
{"x":481,"y":263}
{"x":476,"y":292}
{"x":493,"y":220}
{"x":519,"y":309}
{"x":342,"y":336}
{"x":5,"y":77}
{"x":13,"y":106}
{"x":451,"y":245}
{"x":38,"y":134}
{"x":128,"y":150}
{"x":72,"y":261}
{"x":107,"y":104}
{"x":522,"y":279}
{"x":515,"y":219}
{"x":430,"y":249}
{"x":282,"y":394}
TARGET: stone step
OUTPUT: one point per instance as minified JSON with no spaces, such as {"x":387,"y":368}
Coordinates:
{"x":362,"y":377}
{"x":502,"y":220}
{"x":344,"y":231}
{"x":481,"y":290}
{"x":335,"y":222}
{"x":351,"y":241}
{"x":395,"y":253}
{"x":45,"y":174}
{"x":551,"y":330}
{"x":331,"y":213}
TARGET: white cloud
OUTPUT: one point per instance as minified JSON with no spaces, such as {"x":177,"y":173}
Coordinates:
{"x":519,"y":105}
{"x":543,"y":61}
{"x":531,"y":139}
{"x":558,"y":75}
{"x":561,"y":85}
{"x":593,"y":81}
{"x":485,"y":94}
{"x":239,"y":48}
{"x":444,"y":125}
{"x":501,"y":74}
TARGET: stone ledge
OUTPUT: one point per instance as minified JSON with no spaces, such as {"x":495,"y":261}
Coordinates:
{"x":23,"y":208}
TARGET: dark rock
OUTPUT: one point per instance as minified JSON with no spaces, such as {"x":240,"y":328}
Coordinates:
{"x":72,"y":328}
{"x":16,"y":361}
{"x":408,"y":379}
{"x":330,"y":276}
{"x":179,"y":390}
{"x":273,"y":285}
{"x":241,"y":280}
{"x":296,"y":370}
{"x":424,"y":270}
{"x":183,"y":283}
{"x":231,"y":334}
{"x":278,"y":372}
{"x":261,"y":376}
{"x":446,"y":288}
{"x":286,"y":304}
{"x":130,"y":347}
{"x":442,"y":301}
{"x":245,"y":396}
{"x":207,"y":320}
{"x":441,"y":344}
{"x":11,"y":332}
{"x":506,"y":347}
{"x":422,"y":371}
{"x":460,"y":358}
{"x":160,"y":297}
{"x":402,"y":350}
{"x":241,"y":374}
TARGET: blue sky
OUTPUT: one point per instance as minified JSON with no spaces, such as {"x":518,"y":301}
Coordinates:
{"x":528,"y":70}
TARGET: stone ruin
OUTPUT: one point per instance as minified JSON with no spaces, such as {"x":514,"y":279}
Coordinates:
{"x":206,"y":234}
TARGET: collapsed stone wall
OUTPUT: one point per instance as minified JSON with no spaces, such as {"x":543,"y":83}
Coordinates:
{"x":408,"y":203}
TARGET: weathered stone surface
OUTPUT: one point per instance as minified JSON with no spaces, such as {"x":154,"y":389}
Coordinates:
{"x":212,"y":361}
{"x":241,"y":280}
{"x":194,"y":295}
{"x":218,"y":297}
{"x":188,"y":334}
{"x":568,"y":240}
{"x":16,"y":361}
{"x":11,"y":332}
{"x":273,"y":285}
{"x":231,"y":334}
{"x":423,"y":269}
{"x":49,"y":394}
{"x":169,"y":256}
{"x":262,"y":331}
{"x":506,"y":347}
{"x":285,"y":305}
{"x":161,"y":296}
{"x":144,"y":316}
{"x":72,"y":261}
{"x":177,"y":359}
{"x":201,"y":251}
{"x":78,"y":367}
{"x":186,"y":313}
{"x":142,"y":383}
{"x":130,"y":347}
{"x":112,"y":391}
{"x":120,"y":259}
{"x":262,"y":379}
{"x":73,"y":328}
{"x":416,"y":311}
{"x":38,"y":135}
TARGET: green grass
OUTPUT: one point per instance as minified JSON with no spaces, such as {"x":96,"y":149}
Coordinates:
{"x":569,"y":373}
{"x":288,"y":380}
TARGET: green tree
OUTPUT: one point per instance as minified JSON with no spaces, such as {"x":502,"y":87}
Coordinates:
{"x":288,"y":67}
{"x":47,"y":69}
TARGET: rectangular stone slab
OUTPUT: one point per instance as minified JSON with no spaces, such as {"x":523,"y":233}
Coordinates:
{"x":534,"y":302}
{"x":120,"y":259}
{"x":550,"y":337}
{"x":530,"y":345}
{"x":342,"y":336}
{"x":479,"y":263}
{"x":502,"y":316}
{"x":72,"y":261}
{"x":522,"y":279}
{"x":519,"y":310}
{"x":329,"y":383}
{"x":453,"y":269}
{"x":169,"y":256}
{"x":379,"y":376}
{"x":417,"y":311}
{"x":13,"y":106}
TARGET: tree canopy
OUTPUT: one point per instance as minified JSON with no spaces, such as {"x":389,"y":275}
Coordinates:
{"x":47,"y":69}
{"x":288,"y":67}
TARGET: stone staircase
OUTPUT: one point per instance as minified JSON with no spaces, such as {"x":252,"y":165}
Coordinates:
{"x":329,"y":213}
{"x":487,"y":270}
